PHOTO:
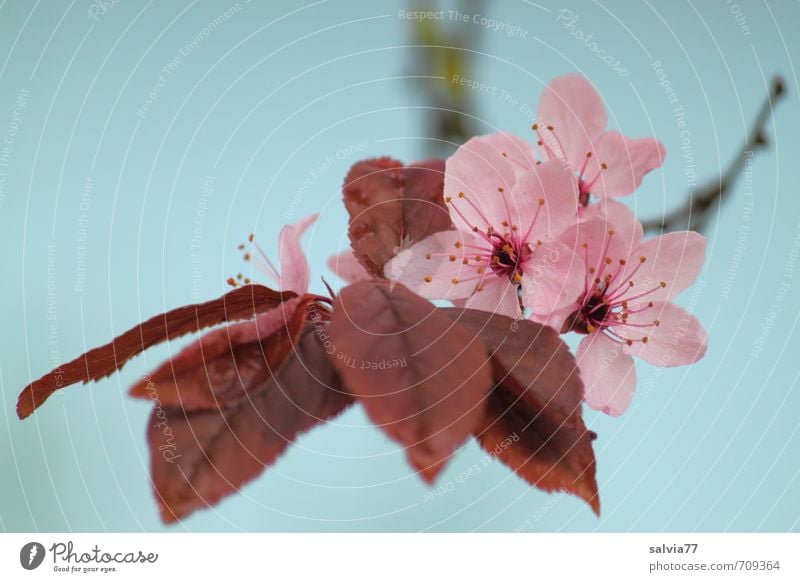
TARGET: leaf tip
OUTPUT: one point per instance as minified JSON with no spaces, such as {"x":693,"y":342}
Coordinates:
{"x":167,"y":515}
{"x":139,"y":390}
{"x":428,"y":474}
{"x":25,"y":404}
{"x":427,"y":469}
{"x":594,"y":503}
{"x":23,"y":411}
{"x":587,"y":490}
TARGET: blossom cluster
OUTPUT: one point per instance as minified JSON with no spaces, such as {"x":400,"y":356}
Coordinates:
{"x":538,"y":233}
{"x":525,"y":239}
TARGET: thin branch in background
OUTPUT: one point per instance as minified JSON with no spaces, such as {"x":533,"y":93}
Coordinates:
{"x":697,"y":211}
{"x":446,"y":49}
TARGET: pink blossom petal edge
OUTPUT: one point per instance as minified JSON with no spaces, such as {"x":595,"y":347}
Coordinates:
{"x":627,"y":161}
{"x":573,"y":108}
{"x":608,"y":374}
{"x":347,"y":267}
{"x":294,"y":272}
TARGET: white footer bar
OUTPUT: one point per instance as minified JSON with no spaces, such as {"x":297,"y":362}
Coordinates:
{"x":402,"y":557}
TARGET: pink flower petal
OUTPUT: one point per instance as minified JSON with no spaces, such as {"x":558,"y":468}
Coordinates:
{"x":627,"y":161}
{"x":572,"y":106}
{"x":679,"y":339}
{"x":554,"y":319}
{"x":601,"y":245}
{"x":294,"y":266}
{"x":478,"y":179}
{"x":515,"y":149}
{"x":608,"y":374}
{"x":347,"y":267}
{"x":619,"y":217}
{"x":497,"y":296}
{"x":627,"y":229}
{"x":302,"y":225}
{"x":553,"y":186}
{"x":429,"y":267}
{"x":674,"y":258}
{"x":553,"y":279}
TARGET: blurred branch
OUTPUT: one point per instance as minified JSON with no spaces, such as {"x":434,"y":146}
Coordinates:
{"x":697,"y":210}
{"x":441,"y":56}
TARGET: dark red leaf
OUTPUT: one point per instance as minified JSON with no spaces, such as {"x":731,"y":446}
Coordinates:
{"x":198,"y":458}
{"x":424,"y":210}
{"x":227,"y":363}
{"x":533,"y":419}
{"x":373,"y":196}
{"x":241,"y":303}
{"x":392,"y":206}
{"x":421,"y":377}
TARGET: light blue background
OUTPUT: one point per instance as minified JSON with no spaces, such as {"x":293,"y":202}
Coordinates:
{"x":271,"y":94}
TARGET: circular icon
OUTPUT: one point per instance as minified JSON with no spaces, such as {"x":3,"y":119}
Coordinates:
{"x":31,"y":555}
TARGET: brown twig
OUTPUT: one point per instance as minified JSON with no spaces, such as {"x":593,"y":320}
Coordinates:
{"x":696,"y":212}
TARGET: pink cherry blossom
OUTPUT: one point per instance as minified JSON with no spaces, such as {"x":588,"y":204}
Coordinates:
{"x":571,"y":125}
{"x":293,"y":274}
{"x":502,"y":256}
{"x":626,"y":307}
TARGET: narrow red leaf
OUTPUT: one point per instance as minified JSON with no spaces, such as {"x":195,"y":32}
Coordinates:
{"x":392,"y":206}
{"x":241,"y":303}
{"x":227,"y":363}
{"x":422,"y":378}
{"x":198,"y":458}
{"x":533,"y":419}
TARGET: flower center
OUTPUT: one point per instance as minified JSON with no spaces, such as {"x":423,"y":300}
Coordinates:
{"x":610,"y":298}
{"x":508,"y":254}
{"x":499,"y":250}
{"x":596,"y":311}
{"x":552,"y":147}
